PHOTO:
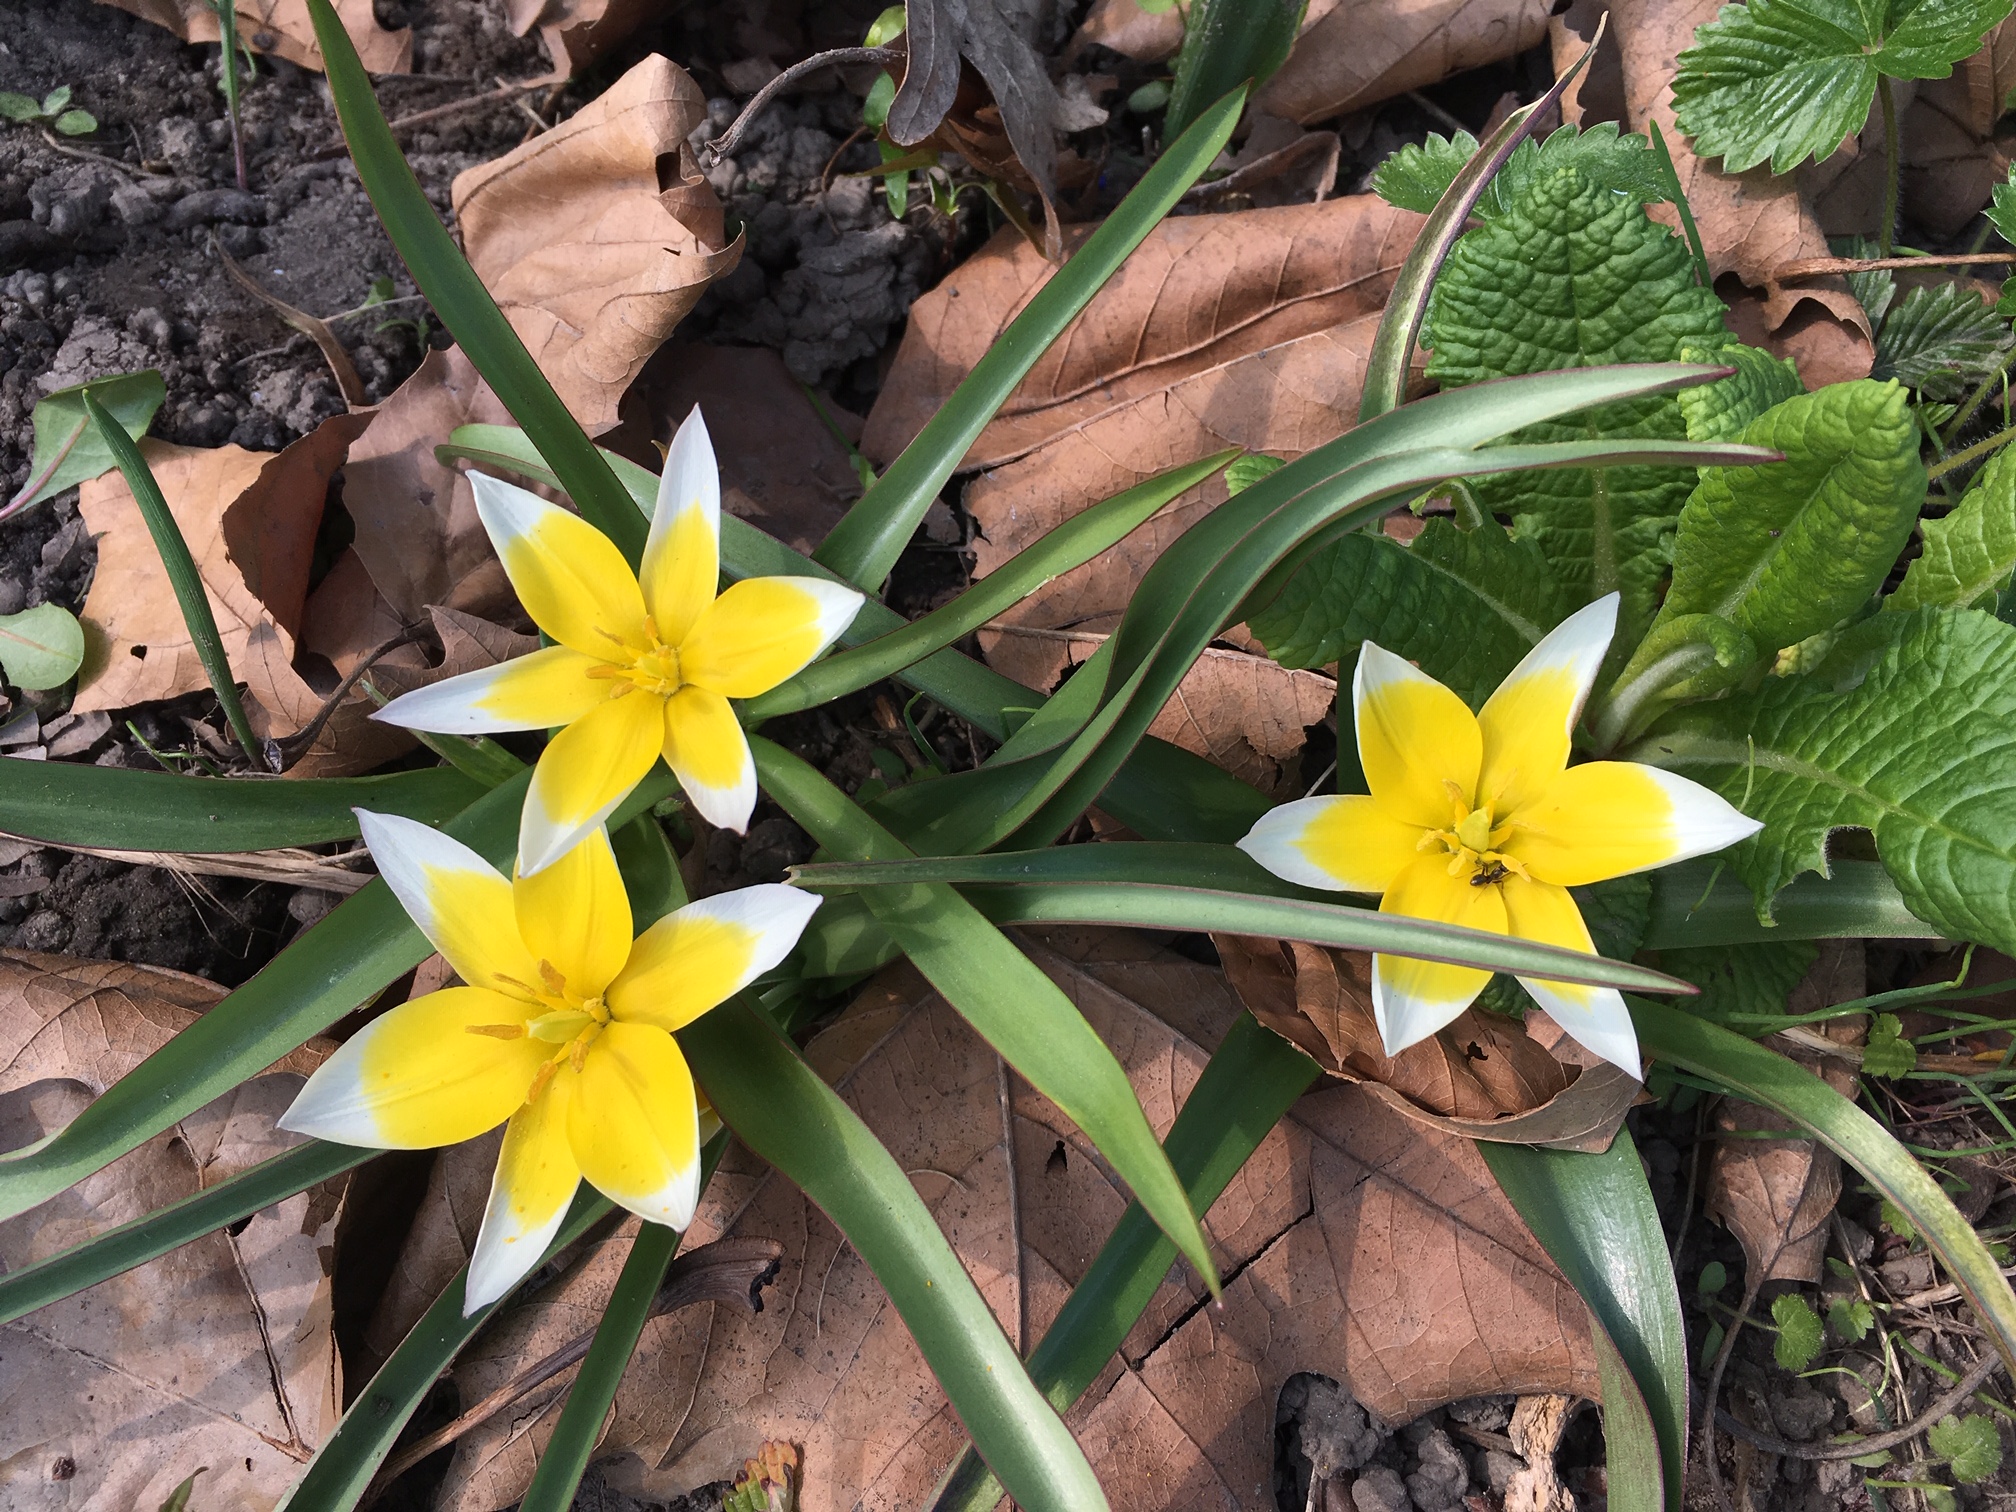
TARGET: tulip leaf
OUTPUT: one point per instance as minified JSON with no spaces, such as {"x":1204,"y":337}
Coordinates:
{"x":1788,"y":79}
{"x":1723,"y":410}
{"x":1970,"y":555}
{"x":1698,"y":905}
{"x":41,"y":647}
{"x":67,"y":449}
{"x":1573,"y":275}
{"x":1789,"y":549}
{"x":1941,"y":340}
{"x":1415,"y":177}
{"x":1463,"y":605}
{"x":1904,"y":732}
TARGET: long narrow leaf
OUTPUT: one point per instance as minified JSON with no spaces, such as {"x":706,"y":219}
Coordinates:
{"x":1003,"y":994}
{"x":339,"y":1475}
{"x":1700,"y":903}
{"x":130,"y":1244}
{"x":1750,"y":1070}
{"x":864,"y":546}
{"x":458,"y":295}
{"x":788,"y":1116}
{"x":64,"y":803}
{"x":1595,"y":1215}
{"x":1251,"y":1080}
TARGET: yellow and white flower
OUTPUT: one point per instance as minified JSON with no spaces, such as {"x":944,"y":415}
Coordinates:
{"x":1478,"y":820}
{"x":644,"y":663}
{"x":564,"y":1029}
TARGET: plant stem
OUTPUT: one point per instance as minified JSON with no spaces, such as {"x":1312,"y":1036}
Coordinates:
{"x":1975,"y":399}
{"x":1892,"y":166}
{"x":2000,"y":439}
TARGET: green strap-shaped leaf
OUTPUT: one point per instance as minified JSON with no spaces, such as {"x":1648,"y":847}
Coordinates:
{"x":1251,"y":1080}
{"x":1723,"y":410}
{"x":788,"y":1116}
{"x":1228,"y":44}
{"x":130,"y":1244}
{"x":1941,"y":340}
{"x":1573,"y":275}
{"x":1789,"y":549}
{"x":1766,"y":1077}
{"x":458,"y":295}
{"x":1463,"y":605}
{"x":1002,"y":993}
{"x":66,"y":804}
{"x":1788,"y":79}
{"x":1970,"y":555}
{"x":1915,"y":748}
{"x":1699,"y":904}
{"x":864,"y":546}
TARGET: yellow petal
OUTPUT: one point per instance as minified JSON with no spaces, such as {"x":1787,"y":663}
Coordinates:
{"x":762,"y":630}
{"x":1412,"y":999}
{"x":535,"y":692}
{"x":575,"y":916}
{"x":682,"y":560}
{"x":1594,"y":1016}
{"x":455,"y":898}
{"x":703,"y":954}
{"x":1415,"y":738}
{"x":1349,"y":844}
{"x":1605,"y":819}
{"x":584,"y":772}
{"x":416,"y":1078}
{"x":570,"y":577}
{"x":635,"y":1125}
{"x":1528,"y":721}
{"x":709,"y":754}
{"x":535,"y":1181}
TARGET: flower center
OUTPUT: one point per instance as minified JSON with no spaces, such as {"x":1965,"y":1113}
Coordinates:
{"x":571,"y":1022}
{"x":1472,"y":842}
{"x":655,"y":669}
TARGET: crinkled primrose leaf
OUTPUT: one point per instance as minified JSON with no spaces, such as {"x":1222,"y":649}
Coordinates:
{"x":1970,"y":555}
{"x":1723,"y":410}
{"x":1415,"y":177}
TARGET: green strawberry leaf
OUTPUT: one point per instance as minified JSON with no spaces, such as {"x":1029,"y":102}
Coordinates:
{"x":1969,"y":556}
{"x":1789,"y":549}
{"x":1799,"y":1334}
{"x":1970,"y":1446}
{"x":1887,"y":1052}
{"x":1904,"y":732}
{"x":67,"y":449}
{"x":1741,"y":978}
{"x":1851,"y":1319}
{"x":1941,"y":340}
{"x":1465,"y":605}
{"x":41,"y":647}
{"x":2001,"y":211}
{"x":1789,"y":79}
{"x":1574,"y":275}
{"x":1722,"y":410}
{"x":1414,"y":178}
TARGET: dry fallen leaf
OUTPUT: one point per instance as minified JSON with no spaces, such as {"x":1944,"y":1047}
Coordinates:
{"x":1145,"y":36}
{"x":1358,"y":1244}
{"x":1348,"y":58}
{"x":217,"y":1354}
{"x":282,"y":27}
{"x":576,"y":32}
{"x":1953,"y":156}
{"x":592,"y":248}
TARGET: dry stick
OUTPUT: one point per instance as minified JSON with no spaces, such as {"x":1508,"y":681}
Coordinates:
{"x":1814,"y":267}
{"x":1970,"y":1383}
{"x":729,"y":140}
{"x":442,"y":112}
{"x":283,"y":753}
{"x":728,"y":1270}
{"x":1713,"y":1395}
{"x":98,"y":157}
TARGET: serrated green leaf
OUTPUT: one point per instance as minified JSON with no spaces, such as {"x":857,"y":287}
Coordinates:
{"x":2001,"y":211}
{"x":18,"y":107}
{"x":1741,"y":978}
{"x":1941,"y":340}
{"x":1850,"y":1318}
{"x":1970,"y":555}
{"x":1790,"y":549}
{"x":1570,"y":276}
{"x":1915,"y":749}
{"x":1874,"y":288}
{"x":1465,"y":605}
{"x":67,"y":450}
{"x":76,"y":123}
{"x":1723,"y":410}
{"x":41,"y":647}
{"x":1799,"y":1335}
{"x":1415,"y":177}
{"x":1788,"y":79}
{"x":1887,"y":1052}
{"x":1970,"y":1446}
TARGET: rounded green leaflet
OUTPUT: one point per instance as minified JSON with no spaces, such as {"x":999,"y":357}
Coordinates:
{"x":41,"y":647}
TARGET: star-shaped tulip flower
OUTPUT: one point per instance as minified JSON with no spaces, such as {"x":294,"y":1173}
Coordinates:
{"x":645,"y":663}
{"x":564,"y":1030}
{"x":1477,"y":819}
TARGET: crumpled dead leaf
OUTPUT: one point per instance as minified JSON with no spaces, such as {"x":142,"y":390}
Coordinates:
{"x":577,"y":32}
{"x":1122,"y":25}
{"x":1953,"y":155}
{"x":1357,"y":1244}
{"x":1774,"y":1195}
{"x":1483,"y":1076}
{"x":282,"y":27}
{"x":1348,"y":57}
{"x":218,"y":1354}
{"x":598,"y":236}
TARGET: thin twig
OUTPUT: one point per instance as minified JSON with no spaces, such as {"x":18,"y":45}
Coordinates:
{"x":729,"y":140}
{"x":1713,"y":1395}
{"x":1273,"y":165}
{"x":1893,"y":165}
{"x":98,"y":157}
{"x":442,"y":112}
{"x":1969,"y":1384}
{"x":1815,"y":267}
{"x":283,"y":753}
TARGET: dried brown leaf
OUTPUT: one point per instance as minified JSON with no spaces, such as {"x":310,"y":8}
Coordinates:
{"x":593,"y":250}
{"x":282,"y":27}
{"x":1359,"y":1244}
{"x":218,"y":1353}
{"x":1123,"y":26}
{"x":1347,"y":58}
{"x":577,"y":32}
{"x":1953,"y":156}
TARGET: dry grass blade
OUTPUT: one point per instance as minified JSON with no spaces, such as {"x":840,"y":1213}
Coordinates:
{"x":315,"y":329}
{"x":290,"y":867}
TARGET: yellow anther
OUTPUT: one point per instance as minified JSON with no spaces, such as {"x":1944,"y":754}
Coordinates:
{"x":496,"y":1031}
{"x":550,"y":975}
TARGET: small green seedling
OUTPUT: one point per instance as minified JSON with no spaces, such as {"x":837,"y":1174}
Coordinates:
{"x":67,"y":451}
{"x":1799,"y":1335}
{"x":1970,"y":1446}
{"x":54,"y":111}
{"x":41,"y":647}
